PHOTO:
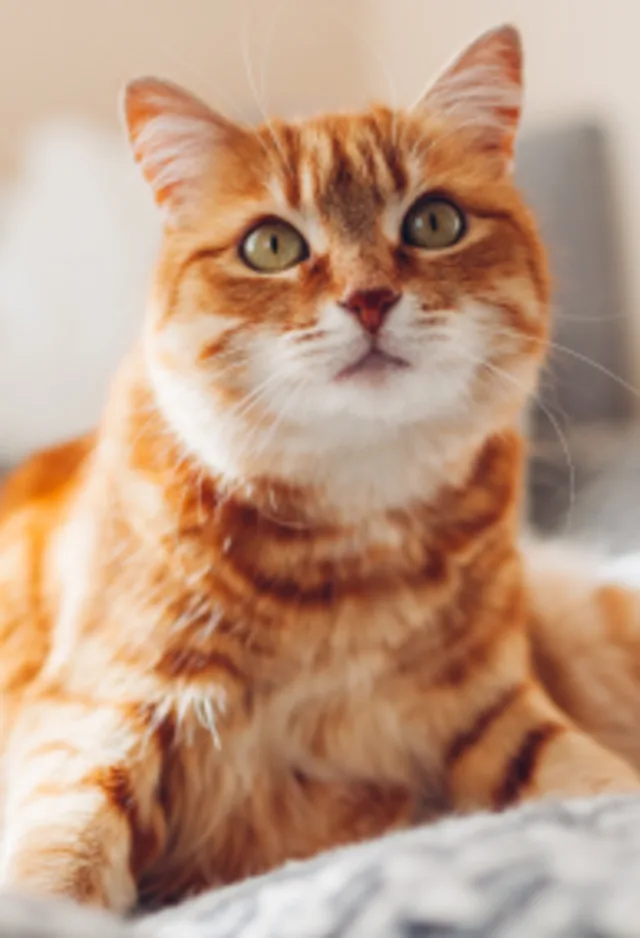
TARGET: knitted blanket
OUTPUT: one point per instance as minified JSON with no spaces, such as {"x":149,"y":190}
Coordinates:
{"x":569,"y":870}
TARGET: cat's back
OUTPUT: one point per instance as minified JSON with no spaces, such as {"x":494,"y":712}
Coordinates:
{"x":45,"y":477}
{"x":33,"y":505}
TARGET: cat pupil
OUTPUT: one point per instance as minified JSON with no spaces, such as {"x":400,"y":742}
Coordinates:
{"x":433,"y":221}
{"x":274,"y":244}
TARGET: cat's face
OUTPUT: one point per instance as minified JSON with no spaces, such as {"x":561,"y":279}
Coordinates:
{"x":340,"y":279}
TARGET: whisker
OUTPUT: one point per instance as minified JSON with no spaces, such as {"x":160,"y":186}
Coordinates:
{"x":565,"y":350}
{"x":267,"y":422}
{"x":248,"y":64}
{"x":562,"y":438}
{"x":250,"y":400}
{"x":184,"y":65}
{"x":268,"y":43}
{"x":291,"y":393}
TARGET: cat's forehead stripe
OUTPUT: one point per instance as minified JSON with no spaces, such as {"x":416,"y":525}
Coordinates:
{"x":343,"y":169}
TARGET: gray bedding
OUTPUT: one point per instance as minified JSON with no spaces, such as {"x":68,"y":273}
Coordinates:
{"x":545,"y":871}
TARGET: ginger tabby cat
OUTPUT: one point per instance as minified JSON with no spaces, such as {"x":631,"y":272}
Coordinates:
{"x":276,"y":603}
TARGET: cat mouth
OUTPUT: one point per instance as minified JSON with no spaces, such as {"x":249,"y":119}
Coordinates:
{"x":374,"y":362}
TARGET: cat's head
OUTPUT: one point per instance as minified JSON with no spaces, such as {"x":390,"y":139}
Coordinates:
{"x":339,"y":283}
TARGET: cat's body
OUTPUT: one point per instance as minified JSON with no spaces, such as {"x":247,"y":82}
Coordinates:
{"x":277,"y":603}
{"x":225,"y":653}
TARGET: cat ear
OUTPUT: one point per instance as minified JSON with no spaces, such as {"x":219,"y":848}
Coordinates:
{"x":482,"y":90}
{"x":174,"y":138}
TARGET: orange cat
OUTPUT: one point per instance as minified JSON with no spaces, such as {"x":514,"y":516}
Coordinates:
{"x":276,"y":602}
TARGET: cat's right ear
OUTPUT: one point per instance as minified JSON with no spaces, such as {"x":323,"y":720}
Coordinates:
{"x":174,"y":138}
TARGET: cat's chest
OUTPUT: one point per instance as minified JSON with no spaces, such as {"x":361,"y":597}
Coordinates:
{"x":319,"y":687}
{"x":317,"y":762}
{"x":333,"y":709}
{"x":313,"y":741}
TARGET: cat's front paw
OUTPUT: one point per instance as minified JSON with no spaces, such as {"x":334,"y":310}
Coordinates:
{"x":59,"y":873}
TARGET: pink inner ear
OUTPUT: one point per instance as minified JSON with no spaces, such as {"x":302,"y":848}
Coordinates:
{"x":173,"y":136}
{"x":482,"y":88}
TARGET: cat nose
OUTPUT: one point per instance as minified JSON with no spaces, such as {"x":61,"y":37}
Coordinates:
{"x":371,"y":306}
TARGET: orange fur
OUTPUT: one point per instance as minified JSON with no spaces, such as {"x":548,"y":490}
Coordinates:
{"x":276,"y":603}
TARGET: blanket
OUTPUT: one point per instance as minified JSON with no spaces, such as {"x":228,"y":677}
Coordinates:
{"x":548,"y":870}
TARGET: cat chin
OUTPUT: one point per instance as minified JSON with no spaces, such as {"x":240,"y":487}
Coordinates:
{"x":349,"y":428}
{"x":375,"y":368}
{"x":360,"y":449}
{"x":364,"y":412}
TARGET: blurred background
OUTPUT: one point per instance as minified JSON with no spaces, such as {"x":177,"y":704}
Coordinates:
{"x":78,"y":231}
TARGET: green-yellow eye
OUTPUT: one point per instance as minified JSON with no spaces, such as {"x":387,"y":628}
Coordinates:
{"x":272,"y":246}
{"x":432,"y":223}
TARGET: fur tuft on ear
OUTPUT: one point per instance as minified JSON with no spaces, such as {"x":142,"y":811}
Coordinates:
{"x":174,"y":138}
{"x":482,"y":90}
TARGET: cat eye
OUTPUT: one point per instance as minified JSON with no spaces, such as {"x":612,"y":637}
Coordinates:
{"x":432,"y":223}
{"x":272,"y":246}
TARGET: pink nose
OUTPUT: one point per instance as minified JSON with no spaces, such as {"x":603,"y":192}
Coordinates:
{"x":371,"y":306}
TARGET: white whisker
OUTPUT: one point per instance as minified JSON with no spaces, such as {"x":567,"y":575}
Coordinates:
{"x":248,"y":64}
{"x":562,"y":438}
{"x":565,"y":350}
{"x":266,"y":52}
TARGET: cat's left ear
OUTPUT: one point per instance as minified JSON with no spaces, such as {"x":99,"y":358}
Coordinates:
{"x":176,"y":139}
{"x":481,"y":90}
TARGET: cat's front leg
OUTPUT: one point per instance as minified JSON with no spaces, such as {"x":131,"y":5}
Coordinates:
{"x":519,"y":746}
{"x":81,"y":816}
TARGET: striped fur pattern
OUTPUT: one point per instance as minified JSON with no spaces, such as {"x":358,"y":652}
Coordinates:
{"x":275,"y":603}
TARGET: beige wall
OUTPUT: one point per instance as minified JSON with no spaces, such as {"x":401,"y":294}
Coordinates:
{"x":74,"y":55}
